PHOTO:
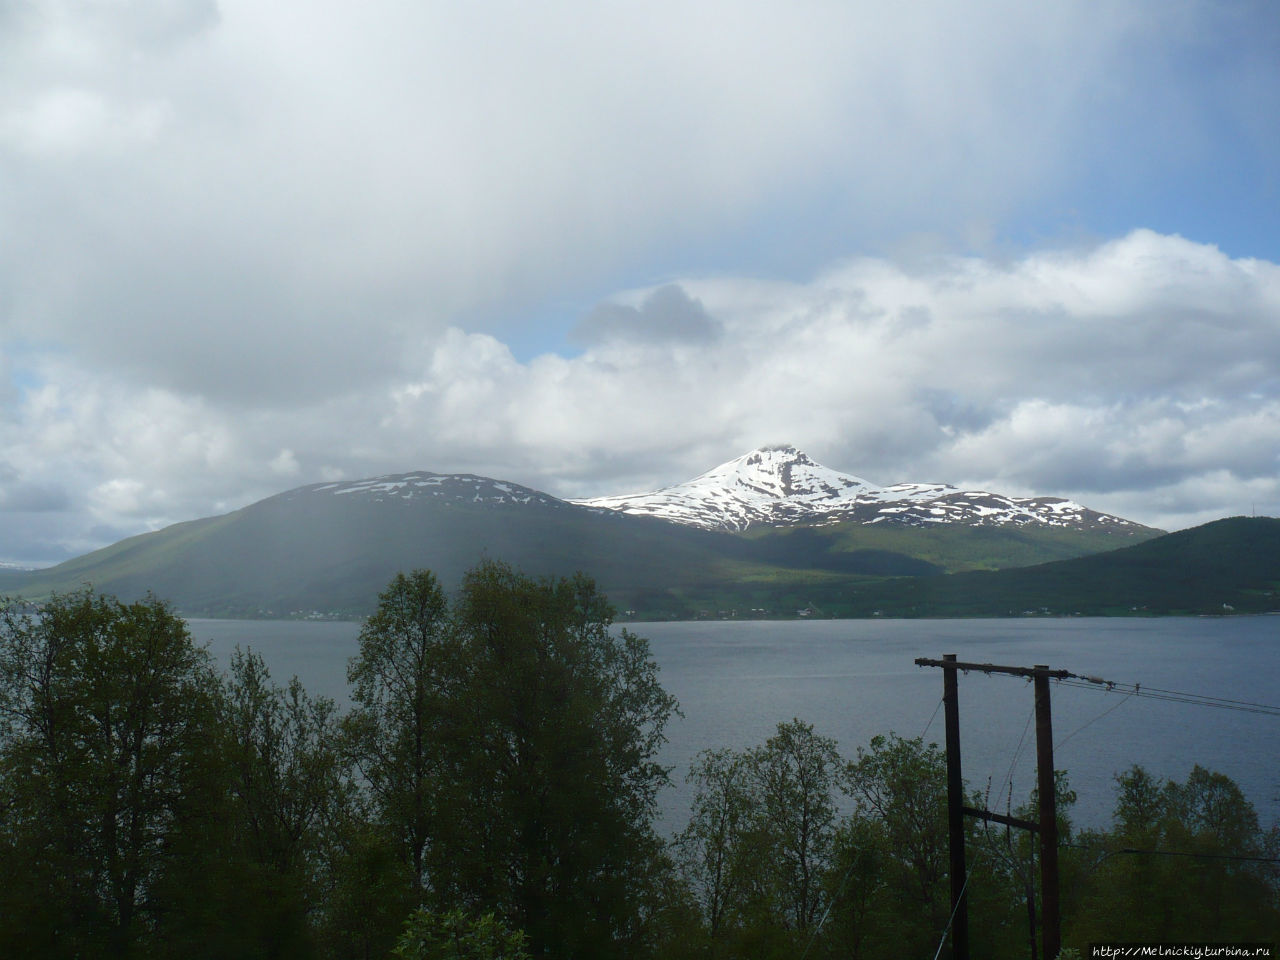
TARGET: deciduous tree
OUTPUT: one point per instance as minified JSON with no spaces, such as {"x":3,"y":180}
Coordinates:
{"x":400,"y":680}
{"x":455,"y":936}
{"x":108,"y":718}
{"x":552,"y":771}
{"x":757,"y":849}
{"x":509,"y":745}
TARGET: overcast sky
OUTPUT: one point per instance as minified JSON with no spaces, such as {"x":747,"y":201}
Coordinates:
{"x":600,"y":247}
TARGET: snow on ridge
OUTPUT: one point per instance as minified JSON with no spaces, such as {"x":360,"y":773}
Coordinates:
{"x":776,"y":486}
{"x":781,"y":485}
{"x":449,"y":486}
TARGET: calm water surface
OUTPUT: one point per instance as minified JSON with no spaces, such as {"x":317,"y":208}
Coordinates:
{"x":853,"y":679}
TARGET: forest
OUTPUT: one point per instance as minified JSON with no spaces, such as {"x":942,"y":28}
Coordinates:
{"x":492,"y":792}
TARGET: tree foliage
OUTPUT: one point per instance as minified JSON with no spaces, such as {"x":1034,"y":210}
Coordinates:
{"x":1183,"y":860}
{"x":511,"y":743}
{"x":496,"y":782}
{"x":107,"y":729}
{"x":455,"y":936}
{"x":290,"y":798}
{"x":400,"y":680}
{"x":712,"y":845}
{"x":759,"y":843}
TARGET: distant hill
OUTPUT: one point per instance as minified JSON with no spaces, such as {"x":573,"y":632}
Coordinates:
{"x":1228,"y":566}
{"x":329,"y":548}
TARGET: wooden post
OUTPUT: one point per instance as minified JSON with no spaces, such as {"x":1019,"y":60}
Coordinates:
{"x":956,"y":810}
{"x":1051,"y":934}
{"x":955,"y":813}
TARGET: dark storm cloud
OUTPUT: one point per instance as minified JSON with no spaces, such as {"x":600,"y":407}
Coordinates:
{"x":33,"y":498}
{"x":952,"y":411}
{"x":668,"y":314}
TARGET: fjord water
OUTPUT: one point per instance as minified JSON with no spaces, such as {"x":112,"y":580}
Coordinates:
{"x":853,"y":679}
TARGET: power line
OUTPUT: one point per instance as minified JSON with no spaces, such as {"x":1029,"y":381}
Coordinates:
{"x":1008,"y":777}
{"x":1206,"y":697}
{"x":1017,"y":753}
{"x":1138,"y":690}
{"x":1171,"y":853}
{"x":952,"y":918}
{"x":933,"y":717}
{"x":1199,"y":856}
{"x":1104,"y":713}
{"x":1200,"y":700}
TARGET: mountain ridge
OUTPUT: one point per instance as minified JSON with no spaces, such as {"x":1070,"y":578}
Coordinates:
{"x":328,"y":548}
{"x":780,"y":485}
{"x":1222,"y":567}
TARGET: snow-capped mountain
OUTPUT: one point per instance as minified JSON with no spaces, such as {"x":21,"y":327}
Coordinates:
{"x":781,"y":486}
{"x":456,"y":487}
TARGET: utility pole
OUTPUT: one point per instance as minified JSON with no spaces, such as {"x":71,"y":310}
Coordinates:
{"x":1046,"y":827}
{"x":955,"y":816}
{"x":1051,"y":930}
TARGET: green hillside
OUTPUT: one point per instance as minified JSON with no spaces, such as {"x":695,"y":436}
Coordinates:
{"x":1228,"y":566}
{"x":932,"y":548}
{"x":285,"y":555}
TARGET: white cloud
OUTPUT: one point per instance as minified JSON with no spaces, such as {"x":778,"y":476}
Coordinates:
{"x":263,"y":200}
{"x":284,"y":464}
{"x":1074,"y":373}
{"x":247,"y":241}
{"x":1138,"y":376}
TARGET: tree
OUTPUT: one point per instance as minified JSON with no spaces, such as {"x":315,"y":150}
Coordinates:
{"x":107,"y":738}
{"x":893,"y":856}
{"x":900,"y":785}
{"x":1177,"y":864}
{"x":399,"y":681}
{"x":454,"y":936}
{"x":551,"y":771}
{"x":758,"y":845}
{"x":288,"y":778}
{"x":509,"y":745}
{"x":373,"y":891}
{"x":896,"y":844}
{"x":796,"y":774}
{"x":711,"y":846}
{"x":290,"y":790}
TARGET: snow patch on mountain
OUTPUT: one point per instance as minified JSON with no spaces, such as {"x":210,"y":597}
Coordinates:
{"x":457,"y":487}
{"x":775,"y":486}
{"x":780,"y":485}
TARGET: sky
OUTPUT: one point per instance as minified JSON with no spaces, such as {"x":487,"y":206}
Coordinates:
{"x":597,"y":248}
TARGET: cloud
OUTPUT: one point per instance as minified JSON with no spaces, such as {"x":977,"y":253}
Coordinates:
{"x":268,"y":202}
{"x":667,"y":313}
{"x":31,"y":498}
{"x":1137,"y":376}
{"x":285,"y":464}
{"x":1105,"y":373}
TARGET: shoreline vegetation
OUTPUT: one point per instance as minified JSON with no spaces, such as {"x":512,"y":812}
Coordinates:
{"x":767,"y":616}
{"x":491,"y":793}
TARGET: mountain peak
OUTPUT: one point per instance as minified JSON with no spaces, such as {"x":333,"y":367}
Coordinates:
{"x":780,"y":485}
{"x":771,"y":484}
{"x":775,"y":472}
